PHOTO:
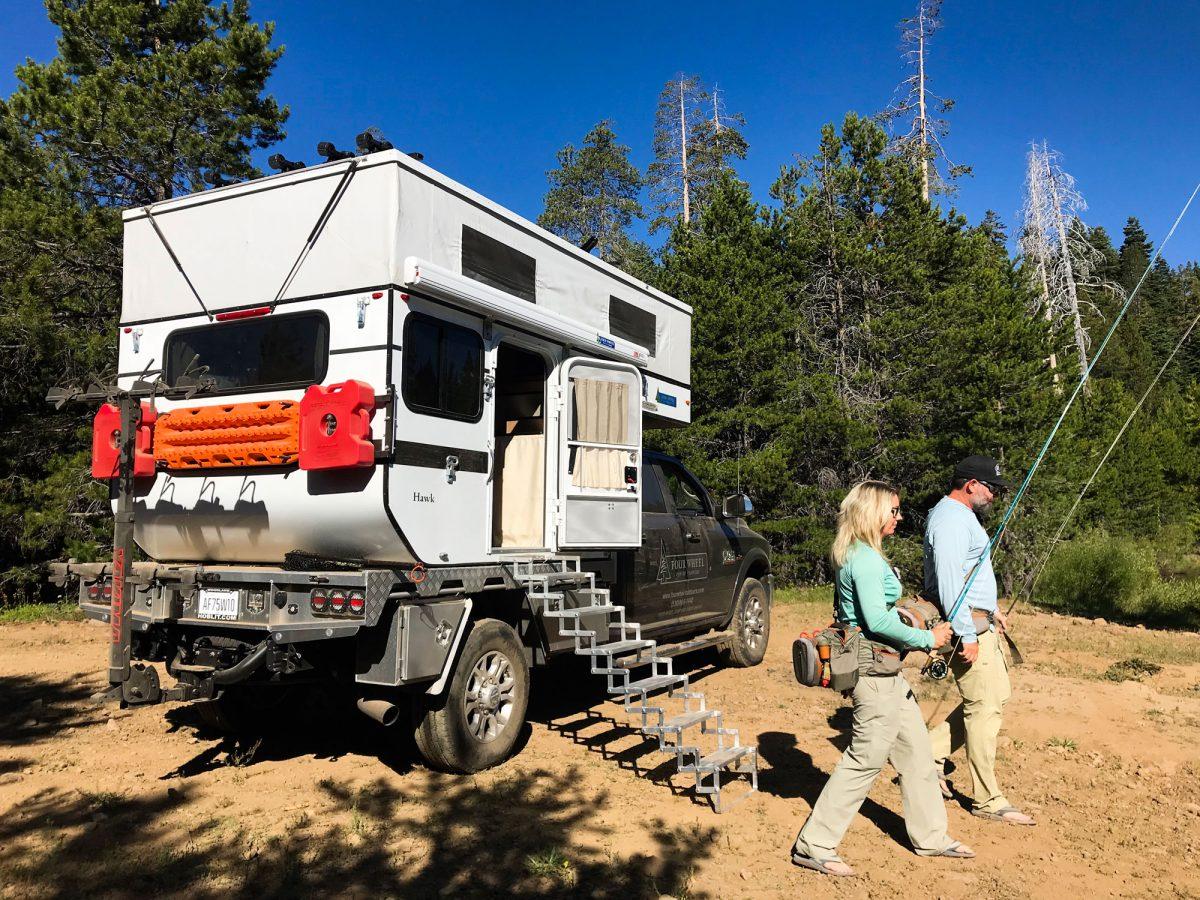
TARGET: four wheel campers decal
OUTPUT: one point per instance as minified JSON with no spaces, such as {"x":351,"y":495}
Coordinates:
{"x":686,"y":567}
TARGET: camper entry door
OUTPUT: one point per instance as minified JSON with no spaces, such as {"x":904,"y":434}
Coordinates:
{"x":439,"y":485}
{"x":600,"y":455}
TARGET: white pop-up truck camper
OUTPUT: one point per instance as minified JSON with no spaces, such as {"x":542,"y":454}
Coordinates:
{"x":413,"y":401}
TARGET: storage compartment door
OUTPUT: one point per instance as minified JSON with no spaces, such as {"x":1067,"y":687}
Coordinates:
{"x":600,"y":455}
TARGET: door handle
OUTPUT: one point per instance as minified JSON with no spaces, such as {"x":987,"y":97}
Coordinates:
{"x":451,"y":469}
{"x":693,"y":538}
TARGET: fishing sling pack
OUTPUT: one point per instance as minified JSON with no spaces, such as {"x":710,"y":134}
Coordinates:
{"x":828,"y":657}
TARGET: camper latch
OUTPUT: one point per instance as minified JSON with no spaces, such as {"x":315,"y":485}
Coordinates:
{"x":451,"y":469}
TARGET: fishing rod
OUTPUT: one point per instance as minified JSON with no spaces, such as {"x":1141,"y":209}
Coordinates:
{"x":1041,"y":455}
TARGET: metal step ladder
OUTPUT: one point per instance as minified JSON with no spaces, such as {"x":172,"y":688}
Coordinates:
{"x":563,"y":591}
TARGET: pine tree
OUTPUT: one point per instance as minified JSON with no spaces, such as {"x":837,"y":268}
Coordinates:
{"x":142,"y":101}
{"x":593,"y":196}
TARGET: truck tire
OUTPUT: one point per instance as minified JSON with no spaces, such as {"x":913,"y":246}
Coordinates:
{"x":476,"y":722}
{"x":751,"y":626}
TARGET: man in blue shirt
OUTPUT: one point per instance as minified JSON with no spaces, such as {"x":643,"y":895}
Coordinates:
{"x":955,"y":545}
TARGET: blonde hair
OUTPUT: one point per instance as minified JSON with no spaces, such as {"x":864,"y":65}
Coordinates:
{"x":864,"y":512}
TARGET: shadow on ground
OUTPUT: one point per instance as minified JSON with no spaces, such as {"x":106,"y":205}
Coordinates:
{"x":34,"y":708}
{"x":791,"y":774}
{"x":570,"y":702}
{"x":530,"y":834}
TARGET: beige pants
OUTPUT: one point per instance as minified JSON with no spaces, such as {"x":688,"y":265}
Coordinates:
{"x":888,"y":727}
{"x":976,"y":721}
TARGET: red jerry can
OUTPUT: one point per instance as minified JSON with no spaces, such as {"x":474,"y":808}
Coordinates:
{"x":106,"y":435}
{"x":335,"y":426}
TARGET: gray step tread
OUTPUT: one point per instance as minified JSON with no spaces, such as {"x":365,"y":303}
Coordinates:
{"x":653,"y":683}
{"x":579,"y":610}
{"x":616,"y":647}
{"x":684,"y":720}
{"x":723,"y":757}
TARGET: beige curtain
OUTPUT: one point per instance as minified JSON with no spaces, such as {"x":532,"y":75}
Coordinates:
{"x":601,"y":417}
{"x":518,"y":504}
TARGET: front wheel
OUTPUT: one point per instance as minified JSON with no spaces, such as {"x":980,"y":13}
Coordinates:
{"x":751,"y":626}
{"x":475,"y":724}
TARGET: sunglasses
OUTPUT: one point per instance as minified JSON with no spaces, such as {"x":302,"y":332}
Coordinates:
{"x":895,"y":512}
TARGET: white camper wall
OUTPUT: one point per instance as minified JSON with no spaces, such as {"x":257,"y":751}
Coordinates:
{"x":238,"y":243}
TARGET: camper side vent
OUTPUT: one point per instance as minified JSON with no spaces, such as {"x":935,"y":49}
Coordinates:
{"x":632,"y":323}
{"x":498,"y":265}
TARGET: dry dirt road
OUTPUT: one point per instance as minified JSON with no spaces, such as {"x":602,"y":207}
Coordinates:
{"x":147,"y":802}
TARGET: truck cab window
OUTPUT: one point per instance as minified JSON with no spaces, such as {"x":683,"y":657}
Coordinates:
{"x":687,"y":494}
{"x":443,"y":369}
{"x":653,"y":500}
{"x":272,"y":351}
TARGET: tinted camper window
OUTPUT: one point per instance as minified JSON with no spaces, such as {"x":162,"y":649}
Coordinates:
{"x":627,"y":321}
{"x":271,"y":351}
{"x":498,"y":265}
{"x":443,"y":369}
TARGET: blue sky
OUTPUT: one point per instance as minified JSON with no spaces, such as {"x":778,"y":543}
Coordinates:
{"x":489,"y":91}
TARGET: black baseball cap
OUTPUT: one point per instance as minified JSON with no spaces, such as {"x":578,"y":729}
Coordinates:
{"x":981,"y":468}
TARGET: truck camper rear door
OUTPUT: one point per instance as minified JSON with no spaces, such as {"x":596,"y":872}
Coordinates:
{"x":599,"y":500}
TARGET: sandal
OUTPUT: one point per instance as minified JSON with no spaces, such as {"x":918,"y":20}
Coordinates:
{"x":956,"y":850}
{"x":1009,"y":814}
{"x":831,"y":865}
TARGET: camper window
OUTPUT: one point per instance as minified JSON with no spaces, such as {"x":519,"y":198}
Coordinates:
{"x":443,"y":369}
{"x":498,"y":265}
{"x":274,"y":351}
{"x":627,"y":321}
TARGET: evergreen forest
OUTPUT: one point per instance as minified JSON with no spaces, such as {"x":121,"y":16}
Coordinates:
{"x":856,"y":325}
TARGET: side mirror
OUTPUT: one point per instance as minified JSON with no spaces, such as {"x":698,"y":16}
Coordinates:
{"x":737,"y":506}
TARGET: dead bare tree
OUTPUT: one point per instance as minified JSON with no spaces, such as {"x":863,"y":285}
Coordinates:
{"x":922,"y":142}
{"x":1059,"y":258}
{"x":694,"y":138}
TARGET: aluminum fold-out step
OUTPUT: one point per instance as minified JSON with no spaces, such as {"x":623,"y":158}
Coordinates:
{"x":569,"y":594}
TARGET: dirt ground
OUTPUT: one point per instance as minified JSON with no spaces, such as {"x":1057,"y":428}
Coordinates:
{"x":102,"y":802}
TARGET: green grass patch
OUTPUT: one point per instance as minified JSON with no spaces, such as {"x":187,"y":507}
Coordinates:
{"x":40,"y":612}
{"x":551,"y":864}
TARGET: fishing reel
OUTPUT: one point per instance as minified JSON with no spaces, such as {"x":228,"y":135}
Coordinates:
{"x":920,"y":613}
{"x":936,"y":667}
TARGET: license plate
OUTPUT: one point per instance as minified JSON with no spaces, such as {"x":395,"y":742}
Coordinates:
{"x":218,"y":604}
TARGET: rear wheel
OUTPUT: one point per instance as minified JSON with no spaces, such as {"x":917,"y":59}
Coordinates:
{"x":476,"y":722}
{"x":751,"y":626}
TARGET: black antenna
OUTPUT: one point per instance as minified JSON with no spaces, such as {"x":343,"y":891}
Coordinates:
{"x":589,"y":243}
{"x":417,"y":155}
{"x":280,"y":163}
{"x":332,"y":153}
{"x":372,"y":141}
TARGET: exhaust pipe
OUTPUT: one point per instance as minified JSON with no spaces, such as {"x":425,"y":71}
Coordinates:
{"x":385,"y":712}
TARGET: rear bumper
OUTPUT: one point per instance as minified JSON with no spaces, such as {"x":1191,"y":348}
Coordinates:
{"x":271,"y":601}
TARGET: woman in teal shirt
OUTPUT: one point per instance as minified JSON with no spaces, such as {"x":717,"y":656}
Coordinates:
{"x":888,"y":725}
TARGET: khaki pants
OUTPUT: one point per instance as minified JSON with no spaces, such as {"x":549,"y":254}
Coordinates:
{"x":976,"y":721}
{"x":888,"y":727}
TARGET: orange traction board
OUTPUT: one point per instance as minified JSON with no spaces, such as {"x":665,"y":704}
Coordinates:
{"x":240,"y":434}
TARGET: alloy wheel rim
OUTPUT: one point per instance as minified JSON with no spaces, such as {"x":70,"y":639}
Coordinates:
{"x":489,"y":699}
{"x":752,"y":622}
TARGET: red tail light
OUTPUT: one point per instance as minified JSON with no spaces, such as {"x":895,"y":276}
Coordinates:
{"x":318,"y":600}
{"x":337,"y":601}
{"x":357,"y":602}
{"x":93,"y":591}
{"x":108,"y":591}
